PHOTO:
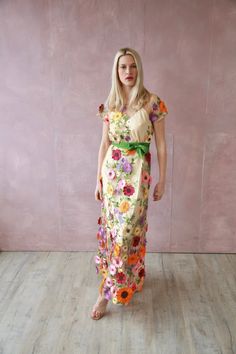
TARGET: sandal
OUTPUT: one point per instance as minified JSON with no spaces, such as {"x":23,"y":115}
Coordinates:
{"x":99,"y":308}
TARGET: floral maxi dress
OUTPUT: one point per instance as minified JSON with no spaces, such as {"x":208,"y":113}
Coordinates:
{"x":126,"y":179}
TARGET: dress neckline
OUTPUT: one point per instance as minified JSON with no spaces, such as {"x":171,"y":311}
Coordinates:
{"x":129,"y":117}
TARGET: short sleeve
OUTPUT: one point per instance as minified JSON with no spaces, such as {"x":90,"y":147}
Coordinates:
{"x":103,"y":113}
{"x":158,"y":109}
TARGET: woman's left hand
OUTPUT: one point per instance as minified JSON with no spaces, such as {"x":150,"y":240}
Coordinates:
{"x":159,"y":190}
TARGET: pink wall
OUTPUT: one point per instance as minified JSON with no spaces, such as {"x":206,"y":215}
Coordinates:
{"x":56,"y":60}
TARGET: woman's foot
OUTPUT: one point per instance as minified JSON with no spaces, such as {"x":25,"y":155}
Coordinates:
{"x":99,"y":308}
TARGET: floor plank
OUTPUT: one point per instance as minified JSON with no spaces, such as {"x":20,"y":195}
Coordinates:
{"x":187,"y":306}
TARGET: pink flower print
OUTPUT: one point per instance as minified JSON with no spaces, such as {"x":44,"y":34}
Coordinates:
{"x":117,"y":262}
{"x":111,"y":174}
{"x":112,"y":269}
{"x":150,"y":180}
{"x":121,"y":184}
{"x":120,"y":277}
{"x":106,"y":118}
{"x":109,"y":282}
{"x":137,"y":266}
{"x":145,"y":177}
{"x":116,"y":154}
{"x":113,"y":290}
{"x":97,"y":259}
{"x":128,"y":190}
{"x":113,"y":232}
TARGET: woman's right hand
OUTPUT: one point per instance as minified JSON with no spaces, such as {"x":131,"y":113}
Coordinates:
{"x":98,"y":191}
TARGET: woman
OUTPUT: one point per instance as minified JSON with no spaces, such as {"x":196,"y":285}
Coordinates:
{"x":131,"y":115}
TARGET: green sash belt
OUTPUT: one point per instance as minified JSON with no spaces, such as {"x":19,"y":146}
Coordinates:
{"x":142,"y":148}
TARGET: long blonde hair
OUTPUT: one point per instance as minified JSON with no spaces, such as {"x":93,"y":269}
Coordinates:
{"x":139,"y":95}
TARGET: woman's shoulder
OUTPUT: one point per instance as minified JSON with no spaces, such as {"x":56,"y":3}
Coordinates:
{"x":157,"y":107}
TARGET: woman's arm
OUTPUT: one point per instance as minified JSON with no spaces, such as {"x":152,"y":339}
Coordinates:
{"x":105,"y":142}
{"x":159,"y":132}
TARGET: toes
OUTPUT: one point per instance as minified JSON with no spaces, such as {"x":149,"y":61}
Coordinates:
{"x":96,"y":315}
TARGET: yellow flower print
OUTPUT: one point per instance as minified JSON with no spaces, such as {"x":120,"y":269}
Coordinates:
{"x":125,"y":248}
{"x":140,"y":210}
{"x":116,"y":250}
{"x":104,"y":273}
{"x":125,"y":257}
{"x":127,"y":231}
{"x":116,"y":115}
{"x":124,"y":206}
{"x":114,"y":300}
{"x":110,"y":189}
{"x":145,"y":193}
{"x":137,"y":231}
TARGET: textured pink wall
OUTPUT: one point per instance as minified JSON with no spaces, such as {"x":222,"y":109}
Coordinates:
{"x":56,"y":60}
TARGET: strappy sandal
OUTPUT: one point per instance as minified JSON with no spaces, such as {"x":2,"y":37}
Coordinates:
{"x":99,"y":308}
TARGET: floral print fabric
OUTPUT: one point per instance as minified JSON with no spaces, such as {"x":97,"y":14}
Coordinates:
{"x":126,"y":180}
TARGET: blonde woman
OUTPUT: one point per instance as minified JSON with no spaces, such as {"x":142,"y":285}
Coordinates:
{"x":130,"y":115}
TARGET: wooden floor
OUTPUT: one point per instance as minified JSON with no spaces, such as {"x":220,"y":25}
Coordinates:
{"x":188,"y":305}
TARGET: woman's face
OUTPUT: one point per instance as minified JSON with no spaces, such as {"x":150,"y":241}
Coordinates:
{"x":127,"y":70}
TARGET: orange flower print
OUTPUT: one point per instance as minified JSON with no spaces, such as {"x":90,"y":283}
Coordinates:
{"x":142,"y":251}
{"x":133,"y":258}
{"x":130,"y":152}
{"x":124,"y":295}
{"x":163,"y":108}
{"x":117,"y":250}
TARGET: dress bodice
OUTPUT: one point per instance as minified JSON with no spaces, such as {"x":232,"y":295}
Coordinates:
{"x":135,"y":128}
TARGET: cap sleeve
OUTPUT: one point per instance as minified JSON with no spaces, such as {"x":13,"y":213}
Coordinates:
{"x":158,"y":109}
{"x":103,"y":113}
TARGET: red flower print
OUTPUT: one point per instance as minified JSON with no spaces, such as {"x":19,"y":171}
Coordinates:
{"x":116,"y":154}
{"x":128,"y":189}
{"x":120,"y":277}
{"x":99,"y":220}
{"x":136,"y":240}
{"x":148,"y":158}
{"x":141,"y":273}
{"x":101,"y":108}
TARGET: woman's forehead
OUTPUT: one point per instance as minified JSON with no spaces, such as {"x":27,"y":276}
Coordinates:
{"x":126,"y":59}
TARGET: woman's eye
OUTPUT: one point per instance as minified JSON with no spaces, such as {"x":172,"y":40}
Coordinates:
{"x":124,"y":67}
